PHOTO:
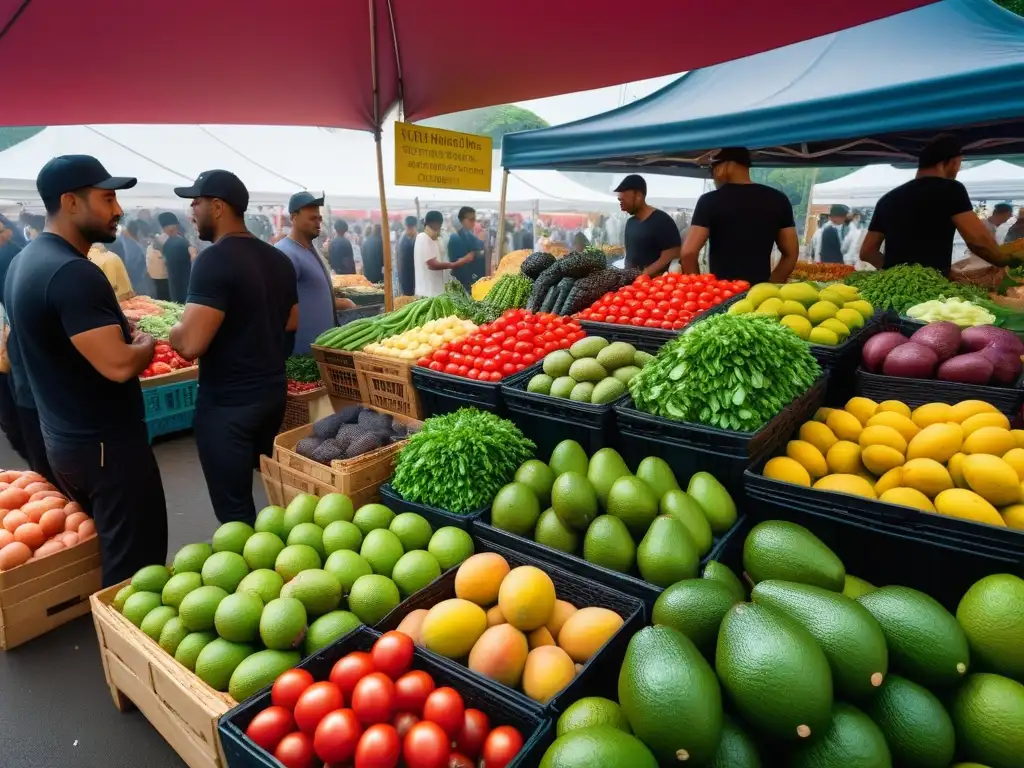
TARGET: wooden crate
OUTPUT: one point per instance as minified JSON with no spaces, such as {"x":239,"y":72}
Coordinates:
{"x":175,"y":377}
{"x":43,"y":594}
{"x":177,"y":703}
{"x":386,"y":384}
{"x":302,"y":408}
{"x":282,"y":484}
{"x":338,"y":373}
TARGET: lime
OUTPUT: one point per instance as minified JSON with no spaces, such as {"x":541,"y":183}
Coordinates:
{"x":179,"y":586}
{"x":294,"y":559}
{"x":271,"y":520}
{"x":264,"y":583}
{"x":342,"y":534}
{"x":318,"y":591}
{"x":191,"y":557}
{"x":310,"y":534}
{"x":173,"y":633}
{"x":300,"y":510}
{"x":199,"y":607}
{"x":412,"y":530}
{"x":381,"y":549}
{"x":329,"y":628}
{"x":372,"y":516}
{"x":373,"y":597}
{"x":122,"y":595}
{"x":450,"y":546}
{"x":155,"y":620}
{"x":237,"y":617}
{"x":138,"y":606}
{"x":231,"y":537}
{"x":188,"y":649}
{"x":414,"y":571}
{"x":333,"y":507}
{"x":261,"y":550}
{"x":152,"y":578}
{"x":347,"y":566}
{"x":283,"y":624}
{"x":224,"y":570}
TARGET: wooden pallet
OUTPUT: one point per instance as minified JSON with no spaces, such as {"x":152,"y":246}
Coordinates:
{"x":138,"y":672}
{"x":43,"y":594}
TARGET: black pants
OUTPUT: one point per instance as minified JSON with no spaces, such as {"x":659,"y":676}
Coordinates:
{"x":9,"y":422}
{"x":161,"y":289}
{"x":118,"y":482}
{"x":35,"y":447}
{"x":230,"y":440}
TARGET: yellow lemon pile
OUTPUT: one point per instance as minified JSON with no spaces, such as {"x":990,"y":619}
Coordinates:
{"x":958,"y":460}
{"x":827,"y":316}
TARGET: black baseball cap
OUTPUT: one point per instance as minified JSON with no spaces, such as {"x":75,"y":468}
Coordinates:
{"x":739,"y":155}
{"x":223,"y":185}
{"x":304,"y":199}
{"x":69,"y":173}
{"x":433,"y":217}
{"x":632,"y":183}
{"x":941,"y":149}
{"x":838,"y":209}
{"x":410,"y":221}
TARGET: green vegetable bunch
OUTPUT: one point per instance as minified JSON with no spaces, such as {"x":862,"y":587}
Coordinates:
{"x":901,"y":287}
{"x":302,"y":368}
{"x":730,"y":371}
{"x":480,"y":312}
{"x":459,"y":461}
{"x":159,"y":326}
{"x":510,"y":292}
{"x":353,"y":336}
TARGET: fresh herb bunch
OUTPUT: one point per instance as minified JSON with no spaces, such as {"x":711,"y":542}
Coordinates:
{"x":459,"y":461}
{"x":731,"y":371}
{"x":479,"y":312}
{"x":901,"y":287}
{"x":302,"y":368}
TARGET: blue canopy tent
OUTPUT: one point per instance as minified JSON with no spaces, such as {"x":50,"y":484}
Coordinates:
{"x":870,"y":94}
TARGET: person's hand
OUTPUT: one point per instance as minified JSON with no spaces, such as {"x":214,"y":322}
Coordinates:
{"x":144,"y":341}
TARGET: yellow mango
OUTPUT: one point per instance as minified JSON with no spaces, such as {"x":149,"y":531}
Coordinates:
{"x":879,"y":459}
{"x":822,"y":414}
{"x":955,"y":465}
{"x":894,"y":406}
{"x":992,"y":478}
{"x":861,"y":407}
{"x":1013,"y":516}
{"x":882,"y":435}
{"x":967,"y":408}
{"x":846,"y":483}
{"x":992,"y":440}
{"x":844,"y":458}
{"x":1018,"y":435}
{"x":818,"y":435}
{"x":809,"y":457}
{"x":1015,"y":458}
{"x":927,"y":476}
{"x":936,"y":441}
{"x":891,"y":479}
{"x":897,"y":421}
{"x":967,"y":505}
{"x":844,"y":425}
{"x":787,"y":470}
{"x":987,"y":419}
{"x":907,"y":497}
{"x":931,"y":413}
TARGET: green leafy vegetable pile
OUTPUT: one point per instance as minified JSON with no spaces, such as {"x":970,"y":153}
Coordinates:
{"x":459,"y":461}
{"x":159,"y":326}
{"x":731,"y":371}
{"x":510,"y":292}
{"x":901,"y":287}
{"x":302,"y":368}
{"x":480,"y":312}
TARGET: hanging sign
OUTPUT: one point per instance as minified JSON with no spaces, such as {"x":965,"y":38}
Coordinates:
{"x":432,"y":157}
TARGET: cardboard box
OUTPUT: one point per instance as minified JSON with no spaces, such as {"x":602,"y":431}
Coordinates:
{"x":177,"y":703}
{"x":43,"y":594}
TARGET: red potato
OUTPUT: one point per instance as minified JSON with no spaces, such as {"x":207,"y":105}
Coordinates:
{"x":87,"y":529}
{"x":38,"y":486}
{"x":14,"y":519}
{"x":74,"y":520}
{"x":52,"y":493}
{"x":52,"y":521}
{"x":30,"y":534}
{"x":13,"y":555}
{"x":14,"y":498}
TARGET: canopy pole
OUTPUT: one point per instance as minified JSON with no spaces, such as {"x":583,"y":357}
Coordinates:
{"x":499,"y":246}
{"x":808,"y":215}
{"x":385,"y":225}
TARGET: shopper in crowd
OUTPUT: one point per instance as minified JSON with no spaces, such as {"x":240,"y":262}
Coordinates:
{"x":916,"y":221}
{"x":177,"y":257}
{"x":8,"y":408}
{"x":466,"y":250}
{"x":82,"y":366}
{"x":339,"y":251}
{"x":743,"y":221}
{"x":156,"y":268}
{"x":652,"y":239}
{"x":113,"y":269}
{"x":830,"y":241}
{"x":579,"y":242}
{"x":130,"y":246}
{"x":1001,"y":213}
{"x":242,"y":305}
{"x":407,"y":258}
{"x":1016,"y":231}
{"x":429,"y":257}
{"x":373,"y":255}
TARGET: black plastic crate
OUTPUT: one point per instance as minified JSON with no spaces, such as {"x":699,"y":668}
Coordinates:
{"x":438,"y":518}
{"x":443,"y":393}
{"x":881,"y":553}
{"x":849,"y":351}
{"x":629,"y":583}
{"x":644,"y":339}
{"x":529,"y":719}
{"x":572,"y":587}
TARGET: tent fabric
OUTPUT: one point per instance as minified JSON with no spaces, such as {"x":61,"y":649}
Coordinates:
{"x":869,"y":94}
{"x":992,"y":182}
{"x":253,"y":62}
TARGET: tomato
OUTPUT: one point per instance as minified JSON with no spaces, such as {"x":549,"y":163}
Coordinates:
{"x":476,"y":350}
{"x":435,"y":366}
{"x":296,"y":751}
{"x":501,"y":746}
{"x":392,"y":654}
{"x":637,"y":321}
{"x":508,"y":369}
{"x":478,"y":363}
{"x":458,"y":760}
{"x":505,"y":356}
{"x":463,"y":370}
{"x":498,"y":337}
{"x":451,"y":368}
{"x":350,"y":669}
{"x":473,"y":373}
{"x":270,"y":726}
{"x":475,"y":727}
{"x":495,"y":376}
{"x":529,"y":358}
{"x":702,"y":305}
{"x":289,"y":686}
{"x":641,"y":313}
{"x":522,"y":347}
{"x":690,"y":306}
{"x":337,"y":735}
{"x":315,"y":702}
{"x":445,"y":707}
{"x":378,"y":748}
{"x":403,"y":721}
{"x":441,"y":355}
{"x":372,"y":698}
{"x":509,"y":343}
{"x":426,"y":746}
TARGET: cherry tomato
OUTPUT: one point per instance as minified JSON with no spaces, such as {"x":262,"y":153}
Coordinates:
{"x":435,"y":366}
{"x":505,"y":356}
{"x":392,"y":654}
{"x":473,"y":373}
{"x":441,"y":355}
{"x":495,"y":376}
{"x":426,"y":746}
{"x":372,"y":698}
{"x":337,"y":735}
{"x":508,"y":369}
{"x":451,"y":368}
{"x":270,"y":726}
{"x":501,"y":746}
{"x":529,"y":358}
{"x":296,"y":751}
{"x":445,"y":707}
{"x":463,"y":370}
{"x":379,"y":747}
{"x":403,"y":721}
{"x":458,"y":760}
{"x":475,"y":727}
{"x":350,"y":669}
{"x":423,"y":361}
{"x":509,"y":343}
{"x":315,"y":702}
{"x":289,"y":686}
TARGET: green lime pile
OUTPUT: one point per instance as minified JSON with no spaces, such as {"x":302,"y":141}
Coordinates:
{"x":590,"y":371}
{"x":257,"y":599}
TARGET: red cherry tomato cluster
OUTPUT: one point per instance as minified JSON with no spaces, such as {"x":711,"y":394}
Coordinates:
{"x":165,"y":360}
{"x":514,"y":341}
{"x":301,"y":387}
{"x":394,"y":715}
{"x":668,"y":302}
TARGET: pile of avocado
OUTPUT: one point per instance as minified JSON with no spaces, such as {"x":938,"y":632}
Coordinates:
{"x":810,"y":668}
{"x":590,"y":371}
{"x":595,"y":508}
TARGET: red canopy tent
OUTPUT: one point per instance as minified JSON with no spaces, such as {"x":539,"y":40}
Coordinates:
{"x":347,"y":63}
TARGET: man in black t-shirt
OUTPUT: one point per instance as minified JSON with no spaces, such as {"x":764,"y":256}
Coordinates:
{"x":177,"y":256}
{"x":743,"y":221}
{"x":652,"y":238}
{"x":339,"y":251}
{"x":242,"y":305}
{"x":82,"y":366}
{"x":916,"y":221}
{"x":406,"y":258}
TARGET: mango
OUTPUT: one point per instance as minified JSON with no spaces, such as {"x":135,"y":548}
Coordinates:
{"x":500,"y":654}
{"x":787,"y":470}
{"x":992,"y":440}
{"x":548,"y":670}
{"x":907,"y":497}
{"x":992,"y":478}
{"x":1018,"y":435}
{"x":799,"y":325}
{"x":879,"y":459}
{"x":837,"y":327}
{"x":527,"y":598}
{"x":845,"y":483}
{"x":967,"y":408}
{"x":865,"y":308}
{"x":539,"y":637}
{"x":927,"y":476}
{"x":452,"y":627}
{"x":742,"y":307}
{"x":861,"y":407}
{"x":1013,"y":516}
{"x":897,"y":421}
{"x":822,"y":414}
{"x":883,"y":435}
{"x":412,"y":624}
{"x":894,"y":406}
{"x":891,"y":479}
{"x":819,"y":435}
{"x":851,"y":318}
{"x":932,"y":413}
{"x":563,"y":610}
{"x":761,"y":292}
{"x":824,"y":336}
{"x":844,"y":425}
{"x":495,"y":616}
{"x":792,"y":308}
{"x":479,"y":578}
{"x":809,"y":457}
{"x":955,"y":465}
{"x":984,"y":419}
{"x":936,"y":441}
{"x":587,"y":631}
{"x":844,"y":458}
{"x":821,"y":311}
{"x":1015,"y":458}
{"x":967,"y":505}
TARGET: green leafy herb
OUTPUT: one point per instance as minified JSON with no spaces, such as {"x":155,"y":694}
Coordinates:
{"x":730,"y":371}
{"x":459,"y":461}
{"x":302,"y":368}
{"x":906,"y":285}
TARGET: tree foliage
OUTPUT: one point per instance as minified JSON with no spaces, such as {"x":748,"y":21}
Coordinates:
{"x":1017,"y":6}
{"x":490,"y":121}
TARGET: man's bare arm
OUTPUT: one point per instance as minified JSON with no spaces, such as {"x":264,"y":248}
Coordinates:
{"x":789,"y":247}
{"x":871,"y":249}
{"x":107,"y":352}
{"x":192,"y":335}
{"x":667,"y":257}
{"x":978,"y":238}
{"x":695,"y":239}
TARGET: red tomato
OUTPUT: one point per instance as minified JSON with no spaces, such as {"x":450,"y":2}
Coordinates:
{"x":475,"y":727}
{"x":458,"y":760}
{"x":423,"y":361}
{"x":505,"y":356}
{"x":490,"y":365}
{"x":509,"y":343}
{"x":289,"y":686}
{"x":445,"y":707}
{"x":451,"y":368}
{"x":508,"y":369}
{"x":372,"y":698}
{"x":378,"y":748}
{"x":690,"y":306}
{"x":403,"y":721}
{"x":426,"y":746}
{"x":495,"y":376}
{"x":350,"y":669}
{"x":435,"y":366}
{"x":270,"y":726}
{"x":529,"y":358}
{"x":441,"y":355}
{"x":392,"y":654}
{"x":296,"y":751}
{"x":411,"y":691}
{"x":463,"y":370}
{"x":337,"y":735}
{"x":501,"y":746}
{"x":315,"y":702}
{"x":473,"y":373}
{"x":703,"y":305}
